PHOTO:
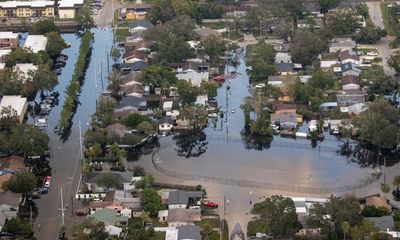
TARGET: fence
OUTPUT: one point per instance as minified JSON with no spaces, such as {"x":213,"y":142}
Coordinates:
{"x":262,"y":185}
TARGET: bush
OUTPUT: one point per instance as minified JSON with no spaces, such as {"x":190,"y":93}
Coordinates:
{"x":76,"y":82}
{"x":371,"y":211}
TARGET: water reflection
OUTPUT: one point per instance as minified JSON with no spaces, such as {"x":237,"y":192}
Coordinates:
{"x":191,"y":143}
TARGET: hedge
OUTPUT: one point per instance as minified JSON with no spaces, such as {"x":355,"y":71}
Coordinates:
{"x":74,"y":88}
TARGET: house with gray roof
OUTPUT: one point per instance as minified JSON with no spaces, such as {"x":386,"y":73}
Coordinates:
{"x":189,"y":232}
{"x":140,"y":25}
{"x":180,"y":199}
{"x":350,"y":69}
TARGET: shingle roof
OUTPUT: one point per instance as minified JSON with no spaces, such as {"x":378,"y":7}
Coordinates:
{"x":189,"y":232}
{"x":182,"y":197}
{"x":141,"y":23}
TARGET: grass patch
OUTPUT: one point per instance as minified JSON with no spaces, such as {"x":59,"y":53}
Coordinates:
{"x":387,"y":19}
{"x":214,"y":222}
{"x":214,"y":25}
{"x":233,"y":35}
{"x":158,"y":236}
{"x":329,"y":56}
{"x":122,"y":34}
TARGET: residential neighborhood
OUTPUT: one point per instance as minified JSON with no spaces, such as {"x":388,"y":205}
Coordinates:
{"x":199,"y":120}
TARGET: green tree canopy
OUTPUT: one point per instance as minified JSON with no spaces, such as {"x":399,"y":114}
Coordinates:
{"x":96,"y":230}
{"x":43,"y":26}
{"x":85,"y":18}
{"x":279,"y":214}
{"x":214,"y":47}
{"x":369,"y":35}
{"x":342,"y":22}
{"x":21,"y":183}
{"x":322,"y":80}
{"x":55,"y":44}
{"x":18,"y":226}
{"x":28,"y":140}
{"x":173,"y":49}
{"x":379,"y":125}
{"x":302,"y":51}
{"x":44,"y":79}
{"x":151,"y":201}
{"x":158,"y":76}
{"x":187,"y":92}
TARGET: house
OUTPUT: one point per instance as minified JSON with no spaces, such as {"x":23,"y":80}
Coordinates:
{"x":355,"y":108}
{"x":350,"y":69}
{"x":282,"y":47}
{"x":166,"y":124}
{"x":93,"y":177}
{"x":133,"y":67}
{"x":136,"y":11}
{"x":3,"y":54}
{"x":134,"y":56}
{"x":275,"y":81}
{"x":281,"y":108}
{"x":328,"y":106}
{"x":237,"y":11}
{"x":110,"y":217}
{"x":180,"y":199}
{"x":205,"y":32}
{"x":182,"y":124}
{"x":113,"y":230}
{"x":285,"y":120}
{"x":133,"y":88}
{"x":26,"y":9}
{"x":193,"y":76}
{"x":140,"y":25}
{"x":303,"y":23}
{"x":328,"y":63}
{"x":350,"y":82}
{"x":68,"y":9}
{"x":311,"y":6}
{"x":167,"y":105}
{"x":179,"y":216}
{"x":282,"y":57}
{"x":201,"y":100}
{"x":349,"y":56}
{"x":17,"y":104}
{"x":310,"y":23}
{"x":341,"y":44}
{"x":382,"y":223}
{"x":350,"y":97}
{"x":36,"y":43}
{"x":377,"y":201}
{"x":26,"y":70}
{"x":130,"y":104}
{"x":189,"y":232}
{"x":9,"y":40}
{"x":284,"y":68}
{"x":13,"y":163}
{"x":6,"y":213}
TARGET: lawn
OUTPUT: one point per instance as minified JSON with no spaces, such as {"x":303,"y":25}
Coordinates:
{"x":122,"y":34}
{"x":214,"y":25}
{"x":214,"y":223}
{"x":387,"y":19}
{"x":233,"y":35}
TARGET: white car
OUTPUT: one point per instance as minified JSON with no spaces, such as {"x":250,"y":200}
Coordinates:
{"x":372,"y":54}
{"x":259,"y":86}
{"x":41,"y":122}
{"x":233,"y":110}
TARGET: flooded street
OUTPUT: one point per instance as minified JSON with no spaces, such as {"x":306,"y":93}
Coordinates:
{"x":65,"y":160}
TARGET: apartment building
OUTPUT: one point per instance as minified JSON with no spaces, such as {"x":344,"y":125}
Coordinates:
{"x":9,"y":40}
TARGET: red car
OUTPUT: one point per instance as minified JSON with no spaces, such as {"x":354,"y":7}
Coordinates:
{"x":211,"y":204}
{"x":47,"y":178}
{"x":219,"y":78}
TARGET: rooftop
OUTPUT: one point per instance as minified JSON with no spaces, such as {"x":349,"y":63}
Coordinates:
{"x":184,"y":215}
{"x":36,"y":43}
{"x":8,"y":35}
{"x":182,"y":197}
{"x":189,"y":232}
{"x":70,"y":3}
{"x":15,"y":101}
{"x":33,"y":4}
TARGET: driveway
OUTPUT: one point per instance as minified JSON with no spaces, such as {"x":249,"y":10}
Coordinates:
{"x":383,"y":45}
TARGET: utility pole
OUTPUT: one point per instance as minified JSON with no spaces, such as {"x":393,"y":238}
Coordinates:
{"x":62,"y":209}
{"x":80,"y":141}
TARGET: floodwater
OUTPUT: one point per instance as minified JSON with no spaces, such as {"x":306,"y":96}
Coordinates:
{"x":286,"y":162}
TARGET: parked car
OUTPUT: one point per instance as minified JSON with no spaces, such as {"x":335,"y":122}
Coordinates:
{"x":372,"y":54}
{"x":57,"y":71}
{"x":41,"y":122}
{"x":43,"y":190}
{"x":210,"y":204}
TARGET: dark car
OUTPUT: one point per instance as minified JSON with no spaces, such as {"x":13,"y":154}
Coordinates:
{"x":59,"y":65}
{"x":43,"y":190}
{"x":57,"y":71}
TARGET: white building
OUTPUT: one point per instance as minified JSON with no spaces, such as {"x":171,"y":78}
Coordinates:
{"x":17,"y":103}
{"x":36,"y":43}
{"x":69,"y":8}
{"x":193,"y":76}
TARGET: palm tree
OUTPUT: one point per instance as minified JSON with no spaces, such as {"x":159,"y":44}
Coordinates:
{"x":345,"y":228}
{"x":94,"y":151}
{"x":114,"y":149}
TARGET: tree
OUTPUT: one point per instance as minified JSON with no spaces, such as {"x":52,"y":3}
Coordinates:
{"x":43,"y":26}
{"x":147,"y":181}
{"x":187,"y":92}
{"x":21,"y":183}
{"x":173,"y":49}
{"x":322,"y":80}
{"x":9,"y":83}
{"x":385,"y":188}
{"x":90,"y":229}
{"x":378,"y":82}
{"x":279,"y":214}
{"x":180,"y":26}
{"x":28,"y":140}
{"x":8,"y":118}
{"x":215,"y":47}
{"x":20,"y":55}
{"x":210,"y":88}
{"x":378,"y":126}
{"x":115,"y":54}
{"x":394,"y":62}
{"x":325,"y":5}
{"x":18,"y":226}
{"x":158,"y":76}
{"x":261,"y":71}
{"x":345,"y":226}
{"x":55,"y":44}
{"x":151,"y":201}
{"x":146,"y":127}
{"x":342,"y":22}
{"x":260,"y":52}
{"x":206,"y":229}
{"x":396,"y":182}
{"x":302,"y":51}
{"x":361,"y":230}
{"x":44,"y":79}
{"x":85,"y":18}
{"x":109,"y":180}
{"x":94,"y":151}
{"x":134,"y":119}
{"x":369,"y":35}
{"x":344,"y":209}
{"x":116,"y":79}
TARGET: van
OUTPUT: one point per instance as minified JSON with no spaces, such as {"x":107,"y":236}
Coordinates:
{"x":41,"y":122}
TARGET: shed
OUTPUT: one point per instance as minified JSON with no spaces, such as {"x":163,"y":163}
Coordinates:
{"x":167,"y":105}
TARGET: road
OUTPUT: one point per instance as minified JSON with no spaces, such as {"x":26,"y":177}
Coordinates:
{"x":65,"y":160}
{"x":383,"y":45}
{"x":105,"y":15}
